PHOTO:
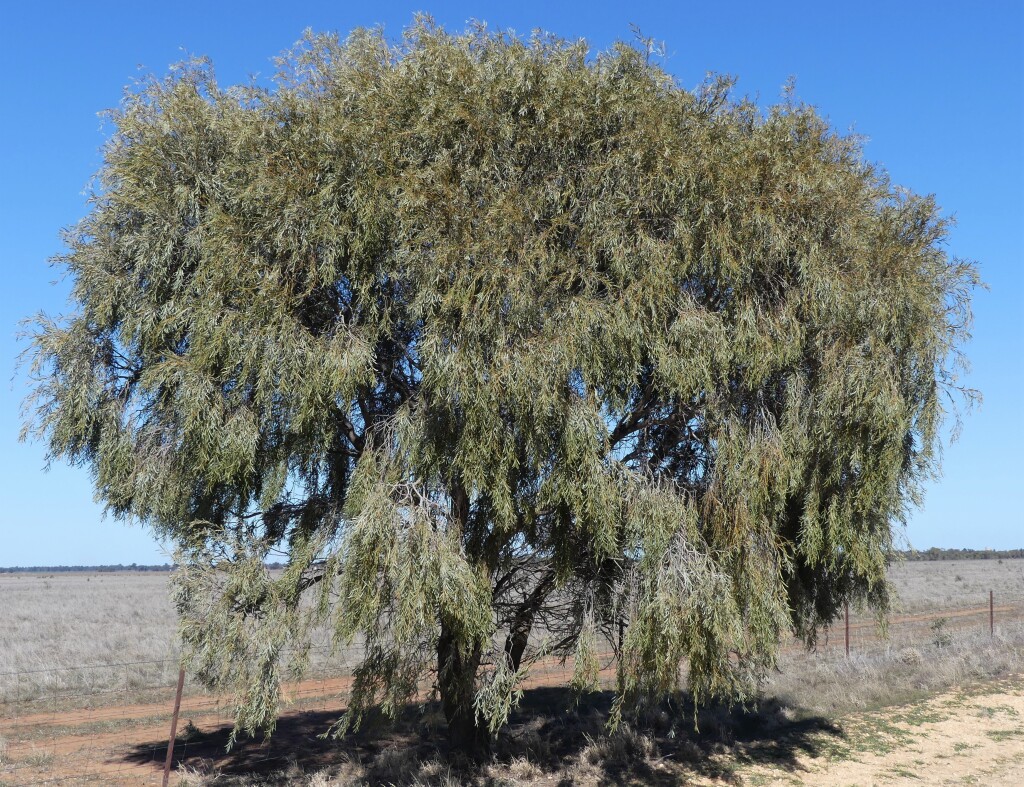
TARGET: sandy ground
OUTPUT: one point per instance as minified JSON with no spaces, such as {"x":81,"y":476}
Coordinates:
{"x":966,"y":736}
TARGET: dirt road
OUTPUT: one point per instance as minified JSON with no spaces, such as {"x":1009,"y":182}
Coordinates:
{"x":127,"y":744}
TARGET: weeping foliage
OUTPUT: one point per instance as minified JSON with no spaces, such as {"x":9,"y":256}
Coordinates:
{"x":511,"y":351}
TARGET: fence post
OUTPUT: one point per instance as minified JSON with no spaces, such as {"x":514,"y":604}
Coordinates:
{"x":174,"y":726}
{"x":991,"y":615}
{"x":847,"y":605}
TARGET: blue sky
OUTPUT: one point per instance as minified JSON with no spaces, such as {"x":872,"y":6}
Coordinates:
{"x":937,"y":87}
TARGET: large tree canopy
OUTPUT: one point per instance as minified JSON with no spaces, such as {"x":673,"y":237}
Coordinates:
{"x":511,"y":351}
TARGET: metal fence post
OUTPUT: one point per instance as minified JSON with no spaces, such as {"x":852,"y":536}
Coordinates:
{"x":847,"y":605}
{"x":174,"y":726}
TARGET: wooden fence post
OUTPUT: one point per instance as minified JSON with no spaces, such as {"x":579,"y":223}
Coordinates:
{"x":174,"y":727}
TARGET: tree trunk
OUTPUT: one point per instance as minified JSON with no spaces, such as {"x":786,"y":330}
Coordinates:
{"x":522,"y":624}
{"x":456,"y":680}
{"x":515,"y":642}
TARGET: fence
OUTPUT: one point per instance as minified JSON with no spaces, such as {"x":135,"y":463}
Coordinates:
{"x":109,"y":723}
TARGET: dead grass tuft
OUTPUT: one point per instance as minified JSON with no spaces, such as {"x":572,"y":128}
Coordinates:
{"x":200,"y":773}
{"x":620,"y":749}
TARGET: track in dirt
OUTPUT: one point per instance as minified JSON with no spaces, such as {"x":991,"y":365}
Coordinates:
{"x":71,"y":747}
{"x":77,"y":746}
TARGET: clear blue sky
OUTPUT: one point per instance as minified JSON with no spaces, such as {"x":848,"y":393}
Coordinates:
{"x":937,"y":87}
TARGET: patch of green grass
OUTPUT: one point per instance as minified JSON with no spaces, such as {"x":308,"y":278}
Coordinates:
{"x":903,"y":773}
{"x":991,"y":711}
{"x":91,"y":727}
{"x":920,"y":714}
{"x":880,"y":735}
{"x":832,"y":749}
{"x":1005,"y":735}
{"x":960,"y":748}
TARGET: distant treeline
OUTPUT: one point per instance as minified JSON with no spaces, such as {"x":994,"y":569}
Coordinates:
{"x":98,"y":569}
{"x":963,"y":554}
{"x":83,"y":569}
{"x":910,"y":554}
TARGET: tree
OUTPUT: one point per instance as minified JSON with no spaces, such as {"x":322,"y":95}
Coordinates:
{"x":505,"y":351}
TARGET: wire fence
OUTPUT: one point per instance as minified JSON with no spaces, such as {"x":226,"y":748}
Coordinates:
{"x":109,"y":723}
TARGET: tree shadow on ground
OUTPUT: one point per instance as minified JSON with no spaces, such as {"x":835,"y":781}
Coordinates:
{"x":553,"y":734}
{"x":663,"y":743}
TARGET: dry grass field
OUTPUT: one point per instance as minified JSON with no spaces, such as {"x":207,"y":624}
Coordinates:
{"x":59,"y":631}
{"x":886,"y":713}
{"x":942,"y":584}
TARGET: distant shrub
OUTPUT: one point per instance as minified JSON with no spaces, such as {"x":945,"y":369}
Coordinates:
{"x":940,"y":637}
